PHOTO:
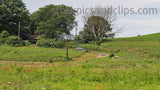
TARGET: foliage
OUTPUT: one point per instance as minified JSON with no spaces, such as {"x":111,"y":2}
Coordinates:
{"x":46,"y":42}
{"x":53,"y":20}
{"x":50,"y":43}
{"x":27,"y":43}
{"x":59,"y":44}
{"x":13,"y":12}
{"x":13,"y":41}
{"x":111,"y":55}
{"x":3,"y":36}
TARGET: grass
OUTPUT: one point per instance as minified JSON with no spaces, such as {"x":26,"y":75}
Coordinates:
{"x":150,"y":37}
{"x":136,"y":67}
{"x":128,"y":49}
{"x":36,"y":54}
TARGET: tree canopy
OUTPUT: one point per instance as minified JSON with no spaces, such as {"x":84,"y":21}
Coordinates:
{"x":95,"y":28}
{"x":11,"y":13}
{"x":53,"y":20}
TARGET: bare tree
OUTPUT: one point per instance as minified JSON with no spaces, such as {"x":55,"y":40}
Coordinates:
{"x":100,"y":22}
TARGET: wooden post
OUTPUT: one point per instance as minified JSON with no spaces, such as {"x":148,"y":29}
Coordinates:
{"x":76,"y":37}
{"x":67,"y":48}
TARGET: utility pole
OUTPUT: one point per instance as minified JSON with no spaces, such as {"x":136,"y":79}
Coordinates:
{"x":19,"y":30}
{"x":67,"y":48}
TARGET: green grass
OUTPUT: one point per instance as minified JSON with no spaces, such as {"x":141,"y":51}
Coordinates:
{"x":128,"y":49}
{"x":137,"y":67}
{"x":96,"y":74}
{"x":36,"y":54}
{"x":150,"y":37}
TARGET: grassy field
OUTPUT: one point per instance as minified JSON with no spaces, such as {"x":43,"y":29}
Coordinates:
{"x":135,"y":67}
{"x":36,"y":54}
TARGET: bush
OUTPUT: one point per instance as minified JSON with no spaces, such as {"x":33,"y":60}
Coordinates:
{"x":111,"y":55}
{"x":13,"y":41}
{"x":50,"y":43}
{"x":3,"y":36}
{"x":59,"y":44}
{"x":27,"y":43}
{"x":45,"y":43}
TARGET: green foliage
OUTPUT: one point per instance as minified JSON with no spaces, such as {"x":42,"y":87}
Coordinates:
{"x":111,"y":55}
{"x":50,"y":43}
{"x":59,"y":44}
{"x":27,"y":43}
{"x":13,"y":41}
{"x":13,"y":12}
{"x":3,"y":36}
{"x":46,"y":42}
{"x":57,"y":20}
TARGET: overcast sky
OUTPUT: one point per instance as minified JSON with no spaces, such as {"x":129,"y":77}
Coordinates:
{"x":133,"y":24}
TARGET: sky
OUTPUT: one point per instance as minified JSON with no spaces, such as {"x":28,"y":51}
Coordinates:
{"x":132,"y":24}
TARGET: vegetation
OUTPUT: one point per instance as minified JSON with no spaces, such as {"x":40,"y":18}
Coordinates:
{"x":36,"y":54}
{"x":96,"y":27}
{"x":53,"y":20}
{"x":13,"y":12}
{"x":134,"y":65}
{"x":27,"y":43}
{"x":3,"y":37}
{"x":117,"y":64}
{"x":150,"y":37}
{"x":50,"y":43}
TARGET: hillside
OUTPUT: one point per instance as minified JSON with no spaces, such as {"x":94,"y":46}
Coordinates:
{"x":150,"y":37}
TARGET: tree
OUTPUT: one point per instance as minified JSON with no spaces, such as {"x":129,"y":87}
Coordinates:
{"x":98,"y":25}
{"x":11,"y":13}
{"x":53,"y":20}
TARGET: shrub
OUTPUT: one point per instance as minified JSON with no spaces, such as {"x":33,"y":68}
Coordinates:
{"x":3,"y":36}
{"x":13,"y":41}
{"x":50,"y":43}
{"x":45,"y":43}
{"x":27,"y":43}
{"x":59,"y":44}
{"x":111,"y":55}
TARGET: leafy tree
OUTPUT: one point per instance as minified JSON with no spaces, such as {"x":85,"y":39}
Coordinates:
{"x":53,"y":20}
{"x":11,"y":13}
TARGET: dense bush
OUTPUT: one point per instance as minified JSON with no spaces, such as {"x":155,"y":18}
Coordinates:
{"x":50,"y":43}
{"x":59,"y":44}
{"x":3,"y":36}
{"x":45,"y":42}
{"x":13,"y":41}
{"x":27,"y":43}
